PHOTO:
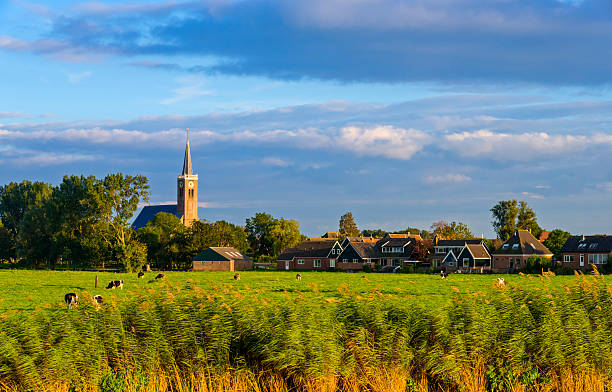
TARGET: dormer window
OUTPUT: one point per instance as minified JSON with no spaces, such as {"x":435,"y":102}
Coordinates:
{"x":582,"y":245}
{"x":593,"y":245}
{"x":515,"y":246}
{"x":505,"y":246}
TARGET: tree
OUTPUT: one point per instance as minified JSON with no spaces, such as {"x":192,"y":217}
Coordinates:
{"x":7,"y":244}
{"x":375,"y":233}
{"x":527,"y":220}
{"x":504,"y":218}
{"x":555,"y":241}
{"x":285,"y":233}
{"x":35,"y":247}
{"x":452,"y":231}
{"x":421,"y":249}
{"x":508,"y":216}
{"x":258,"y":233}
{"x":348,"y":227}
{"x":16,"y":199}
{"x":164,"y":239}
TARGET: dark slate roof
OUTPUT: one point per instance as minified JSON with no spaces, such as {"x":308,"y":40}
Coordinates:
{"x":366,"y":250}
{"x":187,"y":170}
{"x":459,"y":242}
{"x":527,"y":245}
{"x":479,"y":251}
{"x":223,"y":253}
{"x":604,"y":244}
{"x":395,"y":242}
{"x":312,"y":247}
{"x":450,"y":257}
{"x":289,"y":254}
{"x":148,"y":212}
{"x":331,"y":234}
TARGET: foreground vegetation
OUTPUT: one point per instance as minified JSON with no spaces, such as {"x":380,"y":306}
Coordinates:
{"x":268,"y":332}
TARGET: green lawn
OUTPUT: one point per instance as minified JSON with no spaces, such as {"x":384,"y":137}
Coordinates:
{"x":27,"y":290}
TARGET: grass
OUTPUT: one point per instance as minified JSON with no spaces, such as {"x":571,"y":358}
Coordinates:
{"x":26,"y":290}
{"x":206,"y":332}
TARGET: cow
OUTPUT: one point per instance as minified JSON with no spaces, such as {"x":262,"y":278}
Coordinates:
{"x":71,"y":300}
{"x":115,"y":284}
{"x":160,"y":276}
{"x":443,"y":275}
{"x":140,"y":275}
{"x":97,"y":299}
{"x":298,"y":277}
{"x":236,"y":276}
{"x":501,"y":282}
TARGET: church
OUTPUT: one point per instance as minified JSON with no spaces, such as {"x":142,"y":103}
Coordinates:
{"x":186,"y":207}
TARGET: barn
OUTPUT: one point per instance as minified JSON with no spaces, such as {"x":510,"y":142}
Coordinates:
{"x":222,"y":259}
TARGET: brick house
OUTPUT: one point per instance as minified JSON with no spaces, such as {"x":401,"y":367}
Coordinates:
{"x":221,"y":259}
{"x":398,"y":249}
{"x":313,"y":254}
{"x":515,"y":252}
{"x":581,"y":252}
{"x":358,"y":254}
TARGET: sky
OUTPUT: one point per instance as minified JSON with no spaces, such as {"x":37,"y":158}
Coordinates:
{"x":404,"y":112}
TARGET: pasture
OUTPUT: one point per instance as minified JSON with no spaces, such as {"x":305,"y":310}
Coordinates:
{"x":26,"y":290}
{"x":205,"y":332}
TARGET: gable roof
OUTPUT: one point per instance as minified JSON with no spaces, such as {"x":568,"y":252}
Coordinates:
{"x":366,"y":250}
{"x":478,"y":251}
{"x":148,"y":212}
{"x":526,"y":243}
{"x":395,"y":242}
{"x":450,"y":257}
{"x":392,"y":235}
{"x":604,"y":244}
{"x":331,"y":234}
{"x":473,"y":241}
{"x":221,"y":253}
{"x":312,"y":247}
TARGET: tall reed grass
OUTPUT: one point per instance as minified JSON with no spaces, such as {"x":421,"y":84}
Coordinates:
{"x":509,"y":339}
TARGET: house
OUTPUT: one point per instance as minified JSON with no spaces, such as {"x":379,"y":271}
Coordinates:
{"x":442,"y":247}
{"x":317,"y":254}
{"x":221,"y":259}
{"x":472,"y":258}
{"x":398,"y":249}
{"x":515,"y":252}
{"x":348,"y":240}
{"x":358,"y":254}
{"x":580,"y":251}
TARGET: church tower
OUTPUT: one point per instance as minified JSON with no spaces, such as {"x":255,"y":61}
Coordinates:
{"x":187,"y":190}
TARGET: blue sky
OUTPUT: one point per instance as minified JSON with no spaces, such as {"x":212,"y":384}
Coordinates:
{"x":403,"y":112}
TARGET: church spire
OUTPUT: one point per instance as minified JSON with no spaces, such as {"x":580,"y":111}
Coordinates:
{"x":187,"y":171}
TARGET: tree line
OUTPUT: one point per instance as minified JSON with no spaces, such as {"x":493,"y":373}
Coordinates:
{"x":83,"y":223}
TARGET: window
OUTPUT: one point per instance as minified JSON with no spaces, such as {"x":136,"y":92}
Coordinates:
{"x":439,"y":250}
{"x":582,"y":246}
{"x":505,"y":246}
{"x":355,"y":260}
{"x":568,"y":258}
{"x":317,"y":263}
{"x":515,"y":246}
{"x":598,"y":259}
{"x":345,"y":260}
{"x":300,"y":261}
{"x":593,"y":245}
{"x":466,"y":262}
{"x":398,"y":249}
{"x":582,"y":258}
{"x":451,"y":264}
{"x":436,"y":263}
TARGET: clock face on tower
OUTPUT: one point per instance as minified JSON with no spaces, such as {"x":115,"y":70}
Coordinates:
{"x":190,"y":184}
{"x":181,"y":184}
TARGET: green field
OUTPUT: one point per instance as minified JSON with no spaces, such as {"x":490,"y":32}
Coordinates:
{"x":205,"y":332}
{"x":27,"y":290}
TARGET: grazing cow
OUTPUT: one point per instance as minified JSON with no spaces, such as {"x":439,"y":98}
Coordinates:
{"x":140,"y":275}
{"x":71,"y":299}
{"x":160,"y":276}
{"x":236,"y":276}
{"x":298,"y":277}
{"x":443,"y":275}
{"x":500,"y":282}
{"x":97,"y":299}
{"x":115,"y":284}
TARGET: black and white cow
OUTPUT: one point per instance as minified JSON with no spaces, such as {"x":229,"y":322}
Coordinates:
{"x":97,"y":299}
{"x":160,"y":276}
{"x":71,"y":299}
{"x":298,"y":277}
{"x":236,"y":276}
{"x":115,"y":284}
{"x":140,"y":275}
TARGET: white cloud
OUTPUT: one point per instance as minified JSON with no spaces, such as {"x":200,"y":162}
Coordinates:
{"x":447,"y":178}
{"x":606,"y":186}
{"x":190,"y":87}
{"x":514,"y":146}
{"x":383,"y":140}
{"x":272,"y":161}
{"x":78,"y":77}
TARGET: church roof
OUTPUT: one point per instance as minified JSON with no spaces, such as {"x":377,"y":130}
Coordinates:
{"x":187,"y":170}
{"x":148,"y":212}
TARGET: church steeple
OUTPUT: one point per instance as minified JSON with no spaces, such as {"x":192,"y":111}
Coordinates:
{"x":187,"y":190}
{"x":187,"y":171}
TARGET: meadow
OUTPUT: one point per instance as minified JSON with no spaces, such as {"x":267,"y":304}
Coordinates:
{"x":203,"y":331}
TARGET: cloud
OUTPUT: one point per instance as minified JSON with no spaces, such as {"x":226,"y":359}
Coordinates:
{"x":13,"y":115}
{"x":606,"y":186}
{"x":514,"y":146}
{"x":272,"y":161}
{"x":190,"y":88}
{"x":383,"y":141}
{"x":78,"y":77}
{"x":448,"y":178}
{"x":549,"y":42}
